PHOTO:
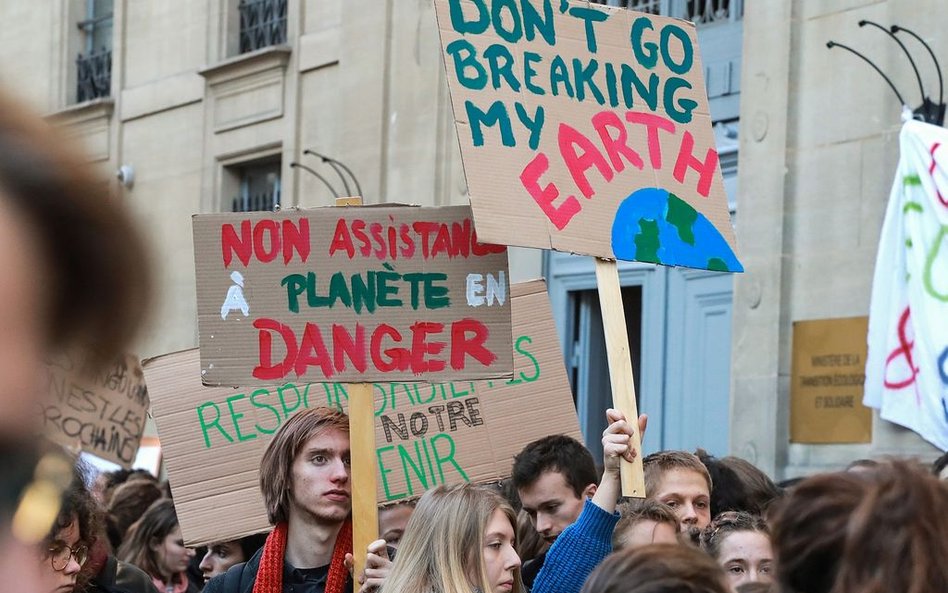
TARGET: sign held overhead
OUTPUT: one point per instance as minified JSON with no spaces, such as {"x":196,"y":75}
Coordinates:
{"x":350,"y":294}
{"x":586,"y":129}
{"x":426,"y":434}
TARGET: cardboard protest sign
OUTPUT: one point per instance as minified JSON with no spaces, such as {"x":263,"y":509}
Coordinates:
{"x":426,"y":434}
{"x":586,"y":128}
{"x":349,"y":295}
{"x":101,"y":414}
{"x":826,"y":385}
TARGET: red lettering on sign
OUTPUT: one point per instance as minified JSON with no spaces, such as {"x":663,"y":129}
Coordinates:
{"x":341,"y":239}
{"x":687,"y":160}
{"x":264,"y":241}
{"x":653,"y":123}
{"x":462,"y":345}
{"x":387,"y":349}
{"x":569,"y":138}
{"x":530,"y":177}
{"x":231,"y":243}
{"x":420,"y":347}
{"x":578,"y":154}
{"x":266,"y":370}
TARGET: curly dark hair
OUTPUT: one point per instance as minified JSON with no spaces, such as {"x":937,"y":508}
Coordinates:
{"x":727,"y":523}
{"x":77,"y":505}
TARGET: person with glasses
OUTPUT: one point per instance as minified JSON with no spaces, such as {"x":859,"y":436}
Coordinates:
{"x":66,"y":548}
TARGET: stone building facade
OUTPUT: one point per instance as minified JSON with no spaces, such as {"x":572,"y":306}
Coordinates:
{"x":207,"y":105}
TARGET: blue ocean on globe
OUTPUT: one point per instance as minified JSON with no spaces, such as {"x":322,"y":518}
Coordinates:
{"x":654,"y":225}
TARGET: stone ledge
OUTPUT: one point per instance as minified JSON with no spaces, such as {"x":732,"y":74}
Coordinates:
{"x":83,"y":112}
{"x":247,"y":64}
{"x":161,"y":95}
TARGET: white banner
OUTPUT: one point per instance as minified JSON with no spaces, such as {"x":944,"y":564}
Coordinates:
{"x":907,"y":366}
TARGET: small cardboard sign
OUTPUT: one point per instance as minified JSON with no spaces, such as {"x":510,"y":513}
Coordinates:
{"x":826,"y":388}
{"x":586,"y":129}
{"x":426,"y":434}
{"x":102,"y":414}
{"x":349,"y":294}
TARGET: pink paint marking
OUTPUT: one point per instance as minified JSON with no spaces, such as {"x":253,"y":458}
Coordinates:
{"x":931,"y":173}
{"x":903,"y":351}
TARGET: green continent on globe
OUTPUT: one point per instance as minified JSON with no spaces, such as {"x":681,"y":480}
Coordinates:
{"x":647,"y":242}
{"x":682,"y":216}
{"x":717,"y":264}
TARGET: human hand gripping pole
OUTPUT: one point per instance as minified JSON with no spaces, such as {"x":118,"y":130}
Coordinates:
{"x":620,"y":366}
{"x":377,"y":567}
{"x":619,"y":443}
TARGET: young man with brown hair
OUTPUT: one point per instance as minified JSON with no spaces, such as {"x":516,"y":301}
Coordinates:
{"x":679,"y":479}
{"x":645,"y":522}
{"x":305,"y":480}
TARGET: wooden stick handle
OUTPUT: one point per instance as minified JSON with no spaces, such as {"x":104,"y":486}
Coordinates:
{"x":365,"y":519}
{"x":620,"y":368}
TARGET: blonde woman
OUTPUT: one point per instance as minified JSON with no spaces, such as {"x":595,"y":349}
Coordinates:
{"x":460,"y":539}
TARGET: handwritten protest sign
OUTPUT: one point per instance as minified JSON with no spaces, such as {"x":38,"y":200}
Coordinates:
{"x":426,"y":434}
{"x":349,"y":295}
{"x":586,"y":129}
{"x":101,"y":414}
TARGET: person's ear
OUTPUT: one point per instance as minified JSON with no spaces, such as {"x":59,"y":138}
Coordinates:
{"x":153,"y":544}
{"x":590,"y":490}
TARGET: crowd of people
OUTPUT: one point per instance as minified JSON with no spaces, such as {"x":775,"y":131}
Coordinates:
{"x":76,"y":277}
{"x":556,"y":526}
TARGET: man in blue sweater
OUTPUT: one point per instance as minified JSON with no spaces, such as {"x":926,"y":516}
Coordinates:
{"x":584,"y":544}
{"x":554,"y":477}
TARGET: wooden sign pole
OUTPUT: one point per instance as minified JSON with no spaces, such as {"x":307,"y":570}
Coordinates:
{"x":620,"y":368}
{"x":365,"y":521}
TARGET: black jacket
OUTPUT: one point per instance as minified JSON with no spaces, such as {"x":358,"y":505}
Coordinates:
{"x":240,"y":578}
{"x":119,"y":577}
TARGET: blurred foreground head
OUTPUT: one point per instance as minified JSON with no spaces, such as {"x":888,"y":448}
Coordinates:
{"x":882,"y":529}
{"x":73,"y":268}
{"x":73,"y":277}
{"x":658,"y":568}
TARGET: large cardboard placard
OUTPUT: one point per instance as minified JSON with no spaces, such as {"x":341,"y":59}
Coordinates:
{"x":586,"y":128}
{"x":426,"y":434}
{"x":103,"y":414}
{"x":351,"y":295}
{"x":826,"y":386}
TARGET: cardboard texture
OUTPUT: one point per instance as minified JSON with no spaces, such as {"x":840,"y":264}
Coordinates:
{"x":350,"y":295}
{"x":426,"y":434}
{"x":826,"y":388}
{"x":103,"y":415}
{"x":586,"y":129}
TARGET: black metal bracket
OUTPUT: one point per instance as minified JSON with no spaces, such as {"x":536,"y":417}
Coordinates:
{"x":339,"y":167}
{"x":929,"y":111}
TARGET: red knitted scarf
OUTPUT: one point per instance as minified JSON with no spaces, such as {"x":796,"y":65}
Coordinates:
{"x":270,"y":574}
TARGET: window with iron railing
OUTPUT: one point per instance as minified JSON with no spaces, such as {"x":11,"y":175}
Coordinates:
{"x":94,"y":63}
{"x":259,"y":187}
{"x":262,"y":24}
{"x":701,"y":12}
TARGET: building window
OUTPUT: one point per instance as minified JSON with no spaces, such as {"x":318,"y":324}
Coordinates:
{"x":257,"y":184}
{"x":262,"y":24}
{"x":94,"y":64}
{"x":701,"y":12}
